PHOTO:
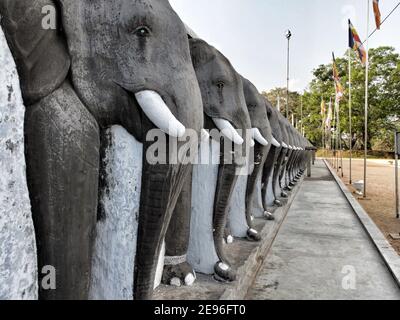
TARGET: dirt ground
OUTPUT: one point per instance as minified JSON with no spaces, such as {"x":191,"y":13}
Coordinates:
{"x":380,"y":203}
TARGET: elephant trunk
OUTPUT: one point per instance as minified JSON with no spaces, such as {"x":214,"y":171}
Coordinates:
{"x":161,"y":186}
{"x":227,"y":179}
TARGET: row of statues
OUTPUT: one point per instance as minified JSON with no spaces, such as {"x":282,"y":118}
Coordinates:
{"x":81,"y":104}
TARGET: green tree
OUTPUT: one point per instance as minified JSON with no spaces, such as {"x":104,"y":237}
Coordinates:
{"x":384,"y":99}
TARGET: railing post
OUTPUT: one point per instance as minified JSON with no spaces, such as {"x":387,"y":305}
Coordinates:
{"x":309,"y":164}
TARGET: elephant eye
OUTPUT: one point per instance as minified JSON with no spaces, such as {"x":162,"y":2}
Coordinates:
{"x":220,"y":85}
{"x":142,"y":31}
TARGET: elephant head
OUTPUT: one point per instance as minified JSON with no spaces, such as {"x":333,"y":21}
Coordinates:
{"x":108,"y":62}
{"x":274,"y":122}
{"x":131,"y":63}
{"x":225,"y":108}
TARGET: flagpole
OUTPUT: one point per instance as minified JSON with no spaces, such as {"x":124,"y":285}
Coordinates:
{"x":366,"y":105}
{"x":350,"y":121}
{"x":340,"y":140}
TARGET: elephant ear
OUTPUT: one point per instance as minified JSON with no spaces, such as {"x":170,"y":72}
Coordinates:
{"x":33,"y":32}
{"x":257,"y":109}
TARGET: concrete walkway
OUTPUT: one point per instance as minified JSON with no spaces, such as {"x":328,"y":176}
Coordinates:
{"x":322,"y":251}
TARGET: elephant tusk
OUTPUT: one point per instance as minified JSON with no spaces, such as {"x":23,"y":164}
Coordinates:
{"x":285,"y":145}
{"x":158,"y":112}
{"x":259,"y":138}
{"x":275,"y":143}
{"x":228,"y":130}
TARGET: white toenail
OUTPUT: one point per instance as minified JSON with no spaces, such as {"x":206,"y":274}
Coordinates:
{"x":223,"y":266}
{"x":189,"y":279}
{"x":229,"y":239}
{"x":176,"y":282}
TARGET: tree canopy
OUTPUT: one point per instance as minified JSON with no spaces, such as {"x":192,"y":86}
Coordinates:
{"x":384,"y":99}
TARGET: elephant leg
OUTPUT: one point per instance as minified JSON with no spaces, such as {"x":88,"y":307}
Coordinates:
{"x":261,"y":154}
{"x":266,"y":177}
{"x":62,"y":151}
{"x":177,"y":270}
{"x":161,"y":187}
{"x":226,"y":182}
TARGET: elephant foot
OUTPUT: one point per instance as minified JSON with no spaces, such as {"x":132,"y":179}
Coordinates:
{"x":269,"y":216}
{"x":178,"y":275}
{"x":253,"y":235}
{"x":224,"y":272}
{"x":284,"y":195}
{"x":278,"y":203}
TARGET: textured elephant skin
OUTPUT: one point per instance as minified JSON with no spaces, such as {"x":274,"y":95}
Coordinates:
{"x":222,"y":93}
{"x":272,"y":158}
{"x":78,"y":81}
{"x":259,"y":119}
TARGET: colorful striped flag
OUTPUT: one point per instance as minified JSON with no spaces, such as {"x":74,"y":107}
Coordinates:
{"x":323,"y":112}
{"x":330,"y":116}
{"x":377,"y":13}
{"x":356,"y":44}
{"x":336,"y":78}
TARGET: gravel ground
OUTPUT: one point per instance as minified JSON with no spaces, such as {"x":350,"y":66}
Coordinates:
{"x":380,"y":203}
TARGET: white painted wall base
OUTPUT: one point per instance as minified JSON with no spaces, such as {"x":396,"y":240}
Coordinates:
{"x":18,"y":258}
{"x":116,"y":236}
{"x":201,"y":254}
{"x":270,"y":192}
{"x":237,"y":209}
{"x":257,"y":206}
{"x":116,"y":239}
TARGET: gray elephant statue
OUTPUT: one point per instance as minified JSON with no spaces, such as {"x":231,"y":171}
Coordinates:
{"x":225,"y":109}
{"x":107,"y":63}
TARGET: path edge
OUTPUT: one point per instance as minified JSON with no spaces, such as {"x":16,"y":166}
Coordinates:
{"x":248,"y":272}
{"x":386,"y":251}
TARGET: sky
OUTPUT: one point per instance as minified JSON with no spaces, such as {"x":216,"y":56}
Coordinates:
{"x":251,"y":33}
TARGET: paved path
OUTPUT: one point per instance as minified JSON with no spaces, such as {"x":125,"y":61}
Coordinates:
{"x":322,"y":251}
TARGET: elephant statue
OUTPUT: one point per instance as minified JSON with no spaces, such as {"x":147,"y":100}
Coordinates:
{"x":242,"y":225}
{"x":225,"y":109}
{"x":284,"y":184}
{"x":107,"y":63}
{"x":268,"y":194}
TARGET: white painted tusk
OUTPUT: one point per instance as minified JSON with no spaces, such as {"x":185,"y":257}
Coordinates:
{"x":259,"y":138}
{"x":158,"y":112}
{"x":275,"y":143}
{"x":290,"y":147}
{"x":228,"y":130}
{"x":252,"y":143}
{"x":284,"y":145}
{"x":205,"y":136}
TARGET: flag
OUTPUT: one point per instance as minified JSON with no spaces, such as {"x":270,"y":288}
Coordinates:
{"x":377,"y":13}
{"x":323,"y":112}
{"x":329,"y":117}
{"x":356,"y":44}
{"x":323,"y":108}
{"x":336,"y":78}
